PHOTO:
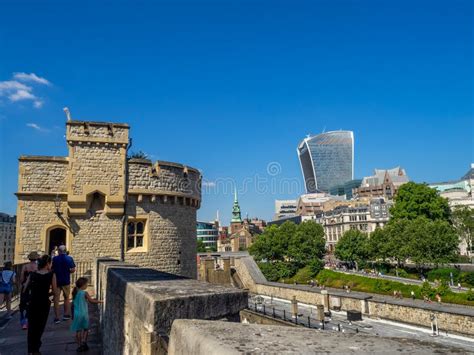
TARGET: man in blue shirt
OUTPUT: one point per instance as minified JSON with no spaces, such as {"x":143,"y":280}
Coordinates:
{"x":63,"y":267}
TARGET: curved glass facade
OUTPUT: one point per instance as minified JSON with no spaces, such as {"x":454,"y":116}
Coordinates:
{"x":327,"y":160}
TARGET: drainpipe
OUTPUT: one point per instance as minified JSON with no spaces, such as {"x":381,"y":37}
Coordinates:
{"x":124,"y":217}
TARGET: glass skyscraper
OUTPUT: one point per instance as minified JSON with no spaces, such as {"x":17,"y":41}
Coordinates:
{"x":327,"y":160}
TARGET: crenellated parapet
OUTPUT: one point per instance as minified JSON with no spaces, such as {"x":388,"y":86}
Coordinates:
{"x":163,"y":181}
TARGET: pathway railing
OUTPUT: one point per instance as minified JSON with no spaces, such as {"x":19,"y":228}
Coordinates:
{"x":83,"y":269}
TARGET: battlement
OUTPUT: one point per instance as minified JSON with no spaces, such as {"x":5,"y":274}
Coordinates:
{"x":97,"y":132}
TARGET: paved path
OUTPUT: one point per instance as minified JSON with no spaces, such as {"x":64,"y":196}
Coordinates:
{"x":57,"y":338}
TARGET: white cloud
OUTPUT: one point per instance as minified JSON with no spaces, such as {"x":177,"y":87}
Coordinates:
{"x":12,"y":85}
{"x":15,"y":90}
{"x":21,"y":95}
{"x":32,"y":77}
{"x":37,"y":127}
{"x":38,"y":104}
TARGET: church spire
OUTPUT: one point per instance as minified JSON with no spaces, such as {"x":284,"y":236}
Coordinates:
{"x":236,"y":216}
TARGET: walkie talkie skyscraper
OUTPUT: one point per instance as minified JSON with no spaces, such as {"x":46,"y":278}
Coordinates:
{"x":327,"y":159}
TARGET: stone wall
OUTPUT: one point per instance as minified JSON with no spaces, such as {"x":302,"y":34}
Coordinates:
{"x":141,"y":305}
{"x":171,"y":245}
{"x":451,"y":318}
{"x":199,"y":337}
{"x":42,"y":174}
{"x":163,"y":177}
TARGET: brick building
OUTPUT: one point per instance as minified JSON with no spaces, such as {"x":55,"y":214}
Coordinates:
{"x":7,"y":237}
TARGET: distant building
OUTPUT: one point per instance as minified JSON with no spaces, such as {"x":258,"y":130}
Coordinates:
{"x":285,"y":209}
{"x":458,"y":192}
{"x":208,"y":233}
{"x":311,"y":204}
{"x":384,"y":183}
{"x":7,"y":238}
{"x":345,"y":189}
{"x":365,"y":217}
{"x":327,"y":159}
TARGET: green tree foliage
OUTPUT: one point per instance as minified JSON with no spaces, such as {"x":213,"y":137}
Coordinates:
{"x":282,"y":250}
{"x":377,"y":247}
{"x":462,"y":219}
{"x":138,"y":155}
{"x":416,"y":200}
{"x":353,"y":246}
{"x":431,"y":241}
{"x":201,"y":248}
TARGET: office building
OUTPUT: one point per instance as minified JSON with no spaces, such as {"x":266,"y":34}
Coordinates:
{"x":326,"y":160}
{"x":7,"y":238}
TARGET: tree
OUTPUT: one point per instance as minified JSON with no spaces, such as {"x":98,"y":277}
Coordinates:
{"x":415,"y":200}
{"x":286,"y":248}
{"x":307,"y":243}
{"x":462,"y":218}
{"x":201,"y":248}
{"x":138,"y":155}
{"x":378,"y":248}
{"x":397,"y":240}
{"x":353,"y":247}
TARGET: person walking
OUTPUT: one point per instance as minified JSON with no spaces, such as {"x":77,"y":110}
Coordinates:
{"x":39,"y":284}
{"x":26,"y":270}
{"x":412,"y":293}
{"x":7,"y":280}
{"x":63,"y":267}
{"x":80,"y":323}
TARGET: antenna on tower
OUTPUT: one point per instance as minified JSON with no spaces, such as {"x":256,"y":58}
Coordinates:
{"x":68,"y":113}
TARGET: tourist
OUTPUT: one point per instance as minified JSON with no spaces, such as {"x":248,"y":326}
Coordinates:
{"x":39,"y":284}
{"x":26,"y":270}
{"x":63,"y":266}
{"x":459,"y":286}
{"x":7,"y":280}
{"x":412,"y":293}
{"x":80,"y":323}
{"x":438,"y":298}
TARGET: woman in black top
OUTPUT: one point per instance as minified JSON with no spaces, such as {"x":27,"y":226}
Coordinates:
{"x":38,"y":285}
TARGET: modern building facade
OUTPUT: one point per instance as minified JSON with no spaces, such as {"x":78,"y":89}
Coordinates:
{"x":285,"y":209}
{"x":7,"y":238}
{"x":459,"y":192}
{"x":345,"y":189}
{"x":327,"y":160}
{"x":384,"y":183}
{"x":208,"y":233}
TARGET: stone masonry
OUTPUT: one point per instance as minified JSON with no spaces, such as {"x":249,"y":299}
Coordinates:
{"x":100,"y":203}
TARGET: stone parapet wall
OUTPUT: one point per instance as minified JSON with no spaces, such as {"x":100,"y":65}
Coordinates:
{"x":200,"y":337}
{"x":141,"y":305}
{"x":162,"y":178}
{"x":42,"y":175}
{"x":450,"y":317}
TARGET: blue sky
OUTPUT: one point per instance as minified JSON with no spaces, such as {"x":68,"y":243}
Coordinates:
{"x":231,"y":86}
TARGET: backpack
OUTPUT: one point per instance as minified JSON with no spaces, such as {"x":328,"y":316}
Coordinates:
{"x":6,"y":286}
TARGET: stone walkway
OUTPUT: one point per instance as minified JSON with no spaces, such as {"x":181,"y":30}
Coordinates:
{"x":57,"y":338}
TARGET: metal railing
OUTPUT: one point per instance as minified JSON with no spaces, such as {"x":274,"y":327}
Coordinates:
{"x":83,"y":269}
{"x":305,"y":320}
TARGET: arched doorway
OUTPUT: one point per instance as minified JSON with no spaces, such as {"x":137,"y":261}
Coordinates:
{"x":56,"y":237}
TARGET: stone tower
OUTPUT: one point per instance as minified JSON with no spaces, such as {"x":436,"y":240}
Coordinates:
{"x":99,"y":203}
